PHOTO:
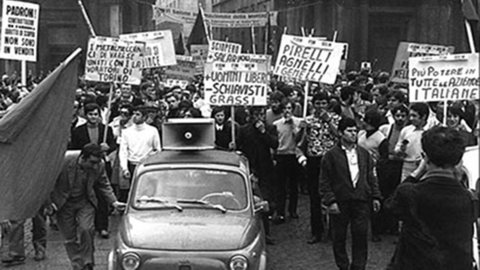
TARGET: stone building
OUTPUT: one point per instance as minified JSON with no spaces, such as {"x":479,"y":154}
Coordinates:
{"x":373,"y":28}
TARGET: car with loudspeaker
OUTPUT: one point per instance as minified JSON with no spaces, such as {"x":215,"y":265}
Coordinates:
{"x":191,"y":207}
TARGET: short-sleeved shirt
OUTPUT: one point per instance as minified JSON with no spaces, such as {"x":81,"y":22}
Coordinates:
{"x":319,"y":137}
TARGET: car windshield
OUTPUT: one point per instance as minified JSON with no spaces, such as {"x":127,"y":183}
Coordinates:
{"x":191,"y":187}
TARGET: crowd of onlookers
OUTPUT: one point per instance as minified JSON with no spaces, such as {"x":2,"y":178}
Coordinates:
{"x":286,"y":148}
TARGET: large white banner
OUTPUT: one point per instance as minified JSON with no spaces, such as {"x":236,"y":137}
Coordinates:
{"x":159,"y":47}
{"x":406,"y":50}
{"x":114,"y":60}
{"x":447,"y":77}
{"x":19,"y":34}
{"x":236,"y":84}
{"x":308,"y":59}
{"x":222,"y":50}
{"x":216,"y":20}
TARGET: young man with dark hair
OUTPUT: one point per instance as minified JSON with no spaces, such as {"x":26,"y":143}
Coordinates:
{"x":319,"y":135}
{"x":93,"y":132}
{"x":287,"y":167}
{"x":437,"y":211}
{"x":349,"y":189}
{"x":137,"y":142}
{"x":257,"y":140}
{"x":408,"y":145}
{"x":74,"y":199}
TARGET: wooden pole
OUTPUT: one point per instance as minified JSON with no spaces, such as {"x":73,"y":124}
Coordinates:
{"x":107,"y":115}
{"x":85,"y":16}
{"x":302,"y":30}
{"x":305,"y":99}
{"x":252,"y":30}
{"x":24,"y":73}
{"x":335,"y":36}
{"x":232,"y":123}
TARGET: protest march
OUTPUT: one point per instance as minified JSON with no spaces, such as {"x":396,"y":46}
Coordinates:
{"x":326,"y":141}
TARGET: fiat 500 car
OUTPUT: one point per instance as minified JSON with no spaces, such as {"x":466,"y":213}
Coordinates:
{"x":191,"y":209}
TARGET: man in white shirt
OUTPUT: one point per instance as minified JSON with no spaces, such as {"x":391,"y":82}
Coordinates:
{"x":409,"y":145}
{"x":137,"y":142}
{"x":350,"y":190}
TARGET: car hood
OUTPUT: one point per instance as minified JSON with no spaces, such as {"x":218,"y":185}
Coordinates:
{"x":189,"y":230}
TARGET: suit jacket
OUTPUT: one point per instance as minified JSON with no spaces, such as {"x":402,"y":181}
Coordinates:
{"x":335,"y":181}
{"x":97,"y":182}
{"x":258,"y":147}
{"x":80,"y":138}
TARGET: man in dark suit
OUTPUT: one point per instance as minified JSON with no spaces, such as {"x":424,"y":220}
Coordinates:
{"x":93,"y":132}
{"x":256,"y":140}
{"x":74,"y":199}
{"x":349,"y":186}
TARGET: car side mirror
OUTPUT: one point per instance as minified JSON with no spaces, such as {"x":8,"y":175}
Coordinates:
{"x":260,"y":205}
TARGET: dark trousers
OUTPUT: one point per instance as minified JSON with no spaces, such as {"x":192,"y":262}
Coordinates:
{"x":75,"y":222}
{"x":389,"y":173}
{"x":16,"y":236}
{"x":263,"y":189}
{"x":103,"y":209}
{"x":287,"y":180}
{"x":313,"y":172}
{"x":123,"y":193}
{"x":355,"y":213}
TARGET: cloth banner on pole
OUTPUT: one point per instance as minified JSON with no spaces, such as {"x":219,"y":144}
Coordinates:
{"x":33,"y":140}
{"x":216,"y":20}
{"x":19,"y":31}
{"x":445,"y":77}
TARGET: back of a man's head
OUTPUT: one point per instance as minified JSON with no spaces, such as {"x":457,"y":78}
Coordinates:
{"x":91,"y":149}
{"x":443,"y":146}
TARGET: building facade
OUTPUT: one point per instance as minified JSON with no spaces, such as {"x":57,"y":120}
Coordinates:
{"x":373,"y":28}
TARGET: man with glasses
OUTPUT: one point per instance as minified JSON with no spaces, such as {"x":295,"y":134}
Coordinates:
{"x":349,"y":189}
{"x":74,"y":199}
{"x":319,"y":135}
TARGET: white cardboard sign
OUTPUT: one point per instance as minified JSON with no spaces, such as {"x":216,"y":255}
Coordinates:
{"x":447,"y":77}
{"x":308,"y":59}
{"x":19,"y":34}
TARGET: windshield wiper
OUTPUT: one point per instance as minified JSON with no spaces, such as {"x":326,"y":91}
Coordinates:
{"x":200,"y":202}
{"x":158,"y":200}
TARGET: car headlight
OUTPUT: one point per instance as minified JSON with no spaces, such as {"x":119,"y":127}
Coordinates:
{"x":238,"y":262}
{"x":130,"y":261}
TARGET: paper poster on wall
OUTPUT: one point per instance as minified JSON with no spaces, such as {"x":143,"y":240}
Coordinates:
{"x":114,"y":60}
{"x":446,"y":77}
{"x":19,"y":33}
{"x":236,"y":84}
{"x":308,"y":59}
{"x":159,"y":47}
{"x":406,"y":50}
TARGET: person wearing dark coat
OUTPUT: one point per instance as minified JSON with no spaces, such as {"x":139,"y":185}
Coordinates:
{"x":93,"y":132}
{"x":257,"y":140}
{"x":350,"y":189}
{"x":437,"y":211}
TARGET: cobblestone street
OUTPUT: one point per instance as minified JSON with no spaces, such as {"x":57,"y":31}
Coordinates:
{"x":290,"y":251}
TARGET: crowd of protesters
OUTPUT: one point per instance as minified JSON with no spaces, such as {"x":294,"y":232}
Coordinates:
{"x":359,"y":139}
